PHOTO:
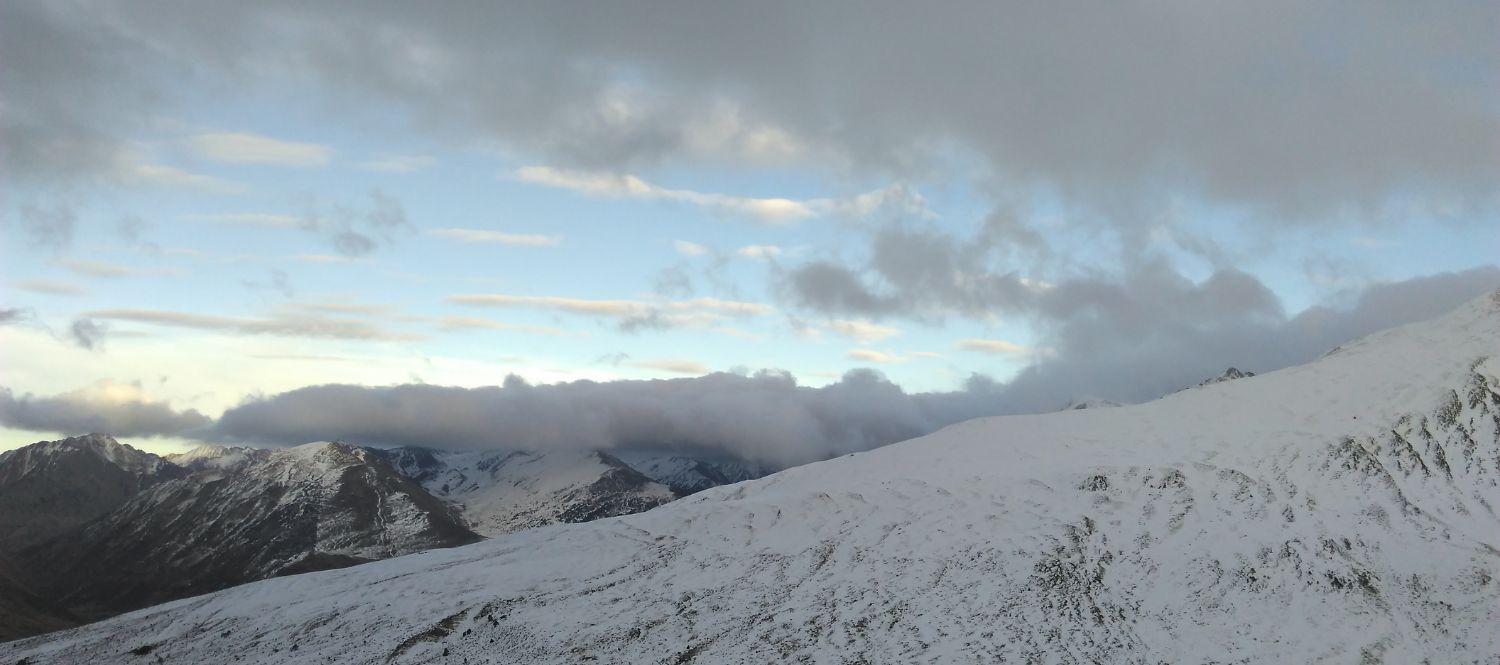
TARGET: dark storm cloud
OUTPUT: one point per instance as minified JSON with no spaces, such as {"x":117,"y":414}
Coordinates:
{"x":1297,"y":110}
{"x":1107,"y":347}
{"x":117,"y":409}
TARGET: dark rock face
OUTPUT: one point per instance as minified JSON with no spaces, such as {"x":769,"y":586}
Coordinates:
{"x":236,"y":519}
{"x":50,"y":488}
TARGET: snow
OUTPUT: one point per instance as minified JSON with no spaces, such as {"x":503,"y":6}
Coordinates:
{"x":500,"y":492}
{"x":1341,"y":511}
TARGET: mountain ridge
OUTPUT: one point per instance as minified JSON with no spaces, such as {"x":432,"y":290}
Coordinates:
{"x":1337,"y":511}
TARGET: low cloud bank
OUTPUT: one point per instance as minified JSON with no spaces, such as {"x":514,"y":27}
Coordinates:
{"x":766,"y":417}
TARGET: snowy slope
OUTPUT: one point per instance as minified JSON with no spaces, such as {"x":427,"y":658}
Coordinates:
{"x":1341,"y":511}
{"x":500,"y":492}
{"x":316,"y":506}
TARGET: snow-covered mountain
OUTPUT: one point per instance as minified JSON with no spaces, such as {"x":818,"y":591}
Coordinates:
{"x":687,"y":473}
{"x":229,"y":517}
{"x":500,"y":492}
{"x":1230,"y":374}
{"x":51,"y":487}
{"x":1341,"y":511}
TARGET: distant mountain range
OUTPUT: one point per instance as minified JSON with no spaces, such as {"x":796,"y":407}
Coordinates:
{"x":1342,"y":511}
{"x":95,"y":527}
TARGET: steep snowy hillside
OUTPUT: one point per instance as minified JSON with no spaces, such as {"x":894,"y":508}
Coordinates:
{"x":1341,"y":511}
{"x":271,"y":512}
{"x":50,"y":487}
{"x":500,"y":492}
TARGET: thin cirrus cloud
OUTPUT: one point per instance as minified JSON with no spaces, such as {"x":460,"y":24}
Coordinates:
{"x":268,"y":220}
{"x":862,"y":331}
{"x":461,"y":323}
{"x":679,"y":312}
{"x":765,"y":210}
{"x":673,"y":365}
{"x":279,"y":325}
{"x":247,"y":148}
{"x":483,"y":236}
{"x":398,"y":164}
{"x":997,"y":347}
{"x":873,"y":356}
{"x":762,"y":252}
{"x":106,"y":270}
{"x":687,"y":248}
{"x":50,"y":287}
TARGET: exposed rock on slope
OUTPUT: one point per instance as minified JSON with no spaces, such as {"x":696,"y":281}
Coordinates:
{"x":1342,"y":511}
{"x":268,"y":512}
{"x":51,"y":487}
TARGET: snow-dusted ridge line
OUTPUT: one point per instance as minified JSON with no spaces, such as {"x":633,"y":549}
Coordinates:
{"x":1341,"y":511}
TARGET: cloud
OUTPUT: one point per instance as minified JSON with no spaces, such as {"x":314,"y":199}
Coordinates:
{"x":247,"y":148}
{"x":673,"y":365}
{"x":458,"y":323}
{"x":398,"y":164}
{"x":357,"y":231}
{"x":767,"y":210}
{"x":873,"y":356}
{"x":1113,"y":108}
{"x":281,"y":325}
{"x":119,"y":409}
{"x":630,"y":315}
{"x":861,"y":331}
{"x":106,"y":270}
{"x":361,"y":309}
{"x":767,"y":418}
{"x":248,"y":219}
{"x":50,"y":228}
{"x":686,"y":248}
{"x":88,"y":334}
{"x":49,"y":287}
{"x":762,"y":252}
{"x":998,"y":347}
{"x":764,"y":417}
{"x":484,"y":236}
{"x":13,"y":315}
{"x":139,"y":173}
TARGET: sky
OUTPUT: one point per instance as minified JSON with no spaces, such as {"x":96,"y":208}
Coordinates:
{"x":778,"y":230}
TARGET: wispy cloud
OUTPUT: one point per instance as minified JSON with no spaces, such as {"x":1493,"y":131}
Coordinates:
{"x":997,"y":347}
{"x":160,"y":175}
{"x":49,"y":287}
{"x":686,"y":248}
{"x":248,"y":219}
{"x":360,"y":309}
{"x":614,"y":308}
{"x":767,"y":210}
{"x":873,"y":356}
{"x":247,"y":148}
{"x":673,"y":365}
{"x":281,"y":325}
{"x":398,"y":164}
{"x":862,"y":331}
{"x":328,"y":258}
{"x":458,"y":323}
{"x":497,"y":237}
{"x":106,"y":270}
{"x":759,"y":251}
